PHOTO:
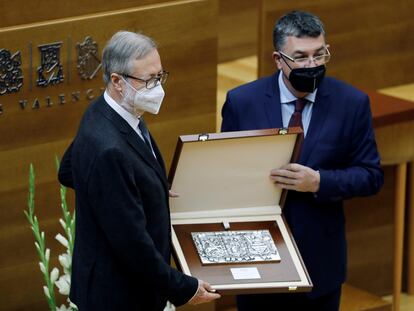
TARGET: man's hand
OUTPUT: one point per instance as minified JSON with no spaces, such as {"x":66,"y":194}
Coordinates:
{"x":296,"y":177}
{"x":173,"y":194}
{"x":205,"y":293}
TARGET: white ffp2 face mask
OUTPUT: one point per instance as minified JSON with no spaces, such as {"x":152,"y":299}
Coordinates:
{"x":148,"y":100}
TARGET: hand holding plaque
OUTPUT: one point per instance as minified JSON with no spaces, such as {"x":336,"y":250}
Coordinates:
{"x":205,"y":293}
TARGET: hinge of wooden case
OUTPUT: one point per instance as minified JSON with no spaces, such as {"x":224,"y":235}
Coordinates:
{"x":283,"y":131}
{"x":202,"y":137}
{"x":292,"y":288}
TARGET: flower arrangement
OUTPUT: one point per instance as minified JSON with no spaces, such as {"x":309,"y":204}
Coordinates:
{"x":52,"y":278}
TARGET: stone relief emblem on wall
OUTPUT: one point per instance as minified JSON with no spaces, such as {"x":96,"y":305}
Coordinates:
{"x":50,"y":71}
{"x":11,"y":76}
{"x":88,"y":62}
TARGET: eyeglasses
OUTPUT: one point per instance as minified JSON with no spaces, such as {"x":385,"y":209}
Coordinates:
{"x":319,"y":59}
{"x":153,"y":81}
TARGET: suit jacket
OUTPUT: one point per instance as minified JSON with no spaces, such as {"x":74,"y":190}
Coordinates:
{"x":122,"y":245}
{"x":340,"y":143}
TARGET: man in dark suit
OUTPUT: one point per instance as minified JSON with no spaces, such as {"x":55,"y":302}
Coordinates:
{"x":122,"y":245}
{"x":338,"y":160}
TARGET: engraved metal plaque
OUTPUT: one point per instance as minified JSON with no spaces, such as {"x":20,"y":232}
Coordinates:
{"x":247,"y":246}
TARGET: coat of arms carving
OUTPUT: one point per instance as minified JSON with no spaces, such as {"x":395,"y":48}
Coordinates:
{"x":88,"y":60}
{"x":50,"y":70}
{"x":11,"y":76}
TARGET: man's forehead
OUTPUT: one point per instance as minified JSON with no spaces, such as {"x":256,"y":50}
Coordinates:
{"x":150,"y":64}
{"x":304,"y":44}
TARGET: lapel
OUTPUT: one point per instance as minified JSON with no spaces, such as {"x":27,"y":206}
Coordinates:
{"x":272,"y":102}
{"x":134,"y":140}
{"x":320,"y":111}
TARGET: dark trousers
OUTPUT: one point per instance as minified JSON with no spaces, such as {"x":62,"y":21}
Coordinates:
{"x":289,"y":302}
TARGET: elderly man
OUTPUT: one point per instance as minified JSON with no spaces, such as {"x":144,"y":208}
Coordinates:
{"x":122,"y":246}
{"x":338,"y":160}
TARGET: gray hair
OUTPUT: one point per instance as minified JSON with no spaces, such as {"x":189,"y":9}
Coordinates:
{"x":296,"y":24}
{"x":121,"y":49}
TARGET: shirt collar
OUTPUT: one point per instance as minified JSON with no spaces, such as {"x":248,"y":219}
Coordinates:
{"x":132,"y":120}
{"x":286,"y":96}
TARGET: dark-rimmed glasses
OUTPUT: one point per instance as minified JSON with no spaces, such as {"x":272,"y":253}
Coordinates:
{"x":153,"y":81}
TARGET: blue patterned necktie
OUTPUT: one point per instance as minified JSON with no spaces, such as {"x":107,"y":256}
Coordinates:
{"x":145,"y":133}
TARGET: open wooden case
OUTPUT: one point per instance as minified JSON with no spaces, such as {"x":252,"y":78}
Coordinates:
{"x":223,"y":181}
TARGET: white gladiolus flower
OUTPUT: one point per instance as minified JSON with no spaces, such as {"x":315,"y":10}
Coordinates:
{"x":46,"y":291}
{"x":62,"y":308}
{"x":54,"y":275}
{"x":72,"y":305}
{"x":169,"y":307}
{"x":42,"y":267}
{"x":47,"y":254}
{"x":62,"y":223}
{"x":65,"y":261}
{"x":63,"y":284}
{"x":62,"y":240}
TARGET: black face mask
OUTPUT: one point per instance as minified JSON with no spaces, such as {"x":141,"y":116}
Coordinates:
{"x":306,"y":79}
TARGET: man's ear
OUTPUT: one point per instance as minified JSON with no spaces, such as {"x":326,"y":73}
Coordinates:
{"x":116,"y":81}
{"x":277,"y":58}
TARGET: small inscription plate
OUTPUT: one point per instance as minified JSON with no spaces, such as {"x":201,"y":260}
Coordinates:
{"x":220,"y":247}
{"x":245,"y":273}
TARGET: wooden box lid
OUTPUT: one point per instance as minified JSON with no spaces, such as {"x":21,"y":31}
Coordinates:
{"x":215,"y":172}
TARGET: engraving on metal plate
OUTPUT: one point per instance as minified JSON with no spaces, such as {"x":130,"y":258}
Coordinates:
{"x":235,"y":246}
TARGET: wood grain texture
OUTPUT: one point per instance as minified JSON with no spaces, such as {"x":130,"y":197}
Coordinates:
{"x":186,"y":32}
{"x":369,"y":230}
{"x":355,"y":299}
{"x":45,"y":10}
{"x":352,"y":299}
{"x":410,"y":231}
{"x":238,"y":29}
{"x":399,"y":214}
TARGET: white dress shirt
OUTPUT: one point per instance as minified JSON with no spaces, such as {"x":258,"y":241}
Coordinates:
{"x":132,"y":120}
